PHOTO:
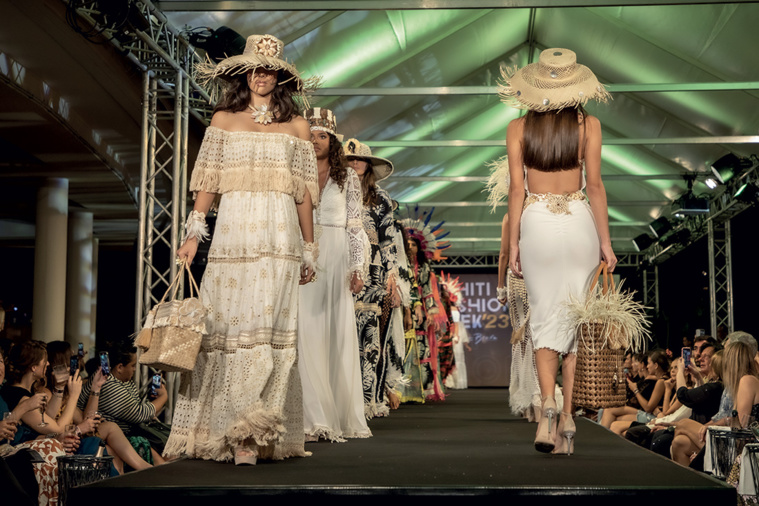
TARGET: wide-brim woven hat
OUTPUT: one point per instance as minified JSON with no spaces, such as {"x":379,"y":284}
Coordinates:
{"x":355,"y":149}
{"x":323,"y":119}
{"x":260,"y":51}
{"x":555,"y":82}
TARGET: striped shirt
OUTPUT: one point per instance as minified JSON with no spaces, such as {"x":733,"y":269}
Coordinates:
{"x":119,"y":403}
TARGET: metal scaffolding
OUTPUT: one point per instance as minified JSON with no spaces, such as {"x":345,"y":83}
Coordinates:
{"x":720,"y":277}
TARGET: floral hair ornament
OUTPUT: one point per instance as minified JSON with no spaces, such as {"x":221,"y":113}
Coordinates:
{"x":324,"y":120}
{"x":555,"y":82}
{"x":382,"y":166}
{"x":430,"y":237}
{"x":260,"y":51}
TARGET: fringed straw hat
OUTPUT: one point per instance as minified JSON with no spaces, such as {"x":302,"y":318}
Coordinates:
{"x":555,"y":82}
{"x":323,"y":119}
{"x":260,"y":51}
{"x":355,"y":149}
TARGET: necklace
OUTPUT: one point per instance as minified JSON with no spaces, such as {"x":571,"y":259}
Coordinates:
{"x":262,"y":114}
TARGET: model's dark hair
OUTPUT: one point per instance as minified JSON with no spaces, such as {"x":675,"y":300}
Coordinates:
{"x":421,"y":258}
{"x":551,"y":140}
{"x":405,"y":236}
{"x":22,"y":357}
{"x":236,"y":98}
{"x":337,"y":162}
{"x":369,"y":184}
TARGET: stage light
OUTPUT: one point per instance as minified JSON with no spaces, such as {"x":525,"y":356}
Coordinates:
{"x":747,"y":193}
{"x":660,"y":227}
{"x":679,"y":237}
{"x":643,"y":242}
{"x":711,"y":183}
{"x":688,"y":204}
{"x":220,"y":43}
{"x":729,"y":166}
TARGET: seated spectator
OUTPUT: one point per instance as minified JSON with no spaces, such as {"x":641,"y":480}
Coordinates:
{"x":119,"y":399}
{"x":33,"y":484}
{"x":703,"y":399}
{"x":90,"y":430}
{"x":649,"y":393}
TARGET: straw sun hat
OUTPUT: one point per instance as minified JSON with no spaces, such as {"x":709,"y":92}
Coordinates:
{"x":260,"y":51}
{"x":355,"y":149}
{"x":555,"y":82}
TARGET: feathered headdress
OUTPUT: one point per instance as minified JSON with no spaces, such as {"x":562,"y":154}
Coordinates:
{"x":498,"y":182}
{"x":453,"y":287}
{"x":429,"y":237}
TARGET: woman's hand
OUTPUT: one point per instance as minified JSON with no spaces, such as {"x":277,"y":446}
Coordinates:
{"x":75,"y":387}
{"x":608,"y":255}
{"x":670,"y":383}
{"x":8,"y":429}
{"x":418,"y":313}
{"x":98,"y":380}
{"x":188,"y":250}
{"x":36,"y":401}
{"x":515,"y":264}
{"x":630,"y":383}
{"x":306,"y":275}
{"x":89,"y":425}
{"x":356,"y":283}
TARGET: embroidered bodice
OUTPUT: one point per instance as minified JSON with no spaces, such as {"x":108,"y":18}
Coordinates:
{"x":343,"y":209}
{"x":255,"y":162}
{"x":557,"y":203}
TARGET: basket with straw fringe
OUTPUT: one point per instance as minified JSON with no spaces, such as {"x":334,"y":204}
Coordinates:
{"x":608,"y":322}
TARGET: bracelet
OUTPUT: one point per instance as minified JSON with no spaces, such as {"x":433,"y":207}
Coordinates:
{"x":96,"y":394}
{"x":310,"y":254}
{"x":196,"y":227}
{"x":56,"y":391}
{"x":501,"y":292}
{"x":636,"y":391}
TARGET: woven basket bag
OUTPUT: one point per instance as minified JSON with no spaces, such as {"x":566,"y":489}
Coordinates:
{"x":173,"y":331}
{"x":599,"y":377}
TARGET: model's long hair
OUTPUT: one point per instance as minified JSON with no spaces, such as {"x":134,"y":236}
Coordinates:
{"x":369,"y":185}
{"x":22,"y":357}
{"x":421,"y":258}
{"x":738,"y":361}
{"x":338,"y":164}
{"x":551,"y":140}
{"x":236,"y":98}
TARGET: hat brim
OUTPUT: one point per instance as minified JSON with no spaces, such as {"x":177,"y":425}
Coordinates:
{"x":382,"y":167}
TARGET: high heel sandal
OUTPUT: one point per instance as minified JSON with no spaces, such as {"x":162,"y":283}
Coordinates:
{"x":245,"y":456}
{"x":545,"y":439}
{"x":566,"y":434}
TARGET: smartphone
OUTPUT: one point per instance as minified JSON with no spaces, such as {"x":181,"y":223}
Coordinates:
{"x":73,"y":366}
{"x":700,"y":332}
{"x":686,"y":356}
{"x":105,"y":363}
{"x":154,"y":386}
{"x":80,"y":351}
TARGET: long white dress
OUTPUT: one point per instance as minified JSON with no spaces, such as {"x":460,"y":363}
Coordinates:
{"x":458,"y":378}
{"x":333,"y":402}
{"x":245,"y":388}
{"x":560,"y":250}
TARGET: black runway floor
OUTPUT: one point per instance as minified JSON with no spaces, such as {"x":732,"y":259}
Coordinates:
{"x":468,"y":448}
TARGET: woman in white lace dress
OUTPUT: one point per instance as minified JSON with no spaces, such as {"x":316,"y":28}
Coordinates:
{"x":243,"y":400}
{"x":328,"y":360}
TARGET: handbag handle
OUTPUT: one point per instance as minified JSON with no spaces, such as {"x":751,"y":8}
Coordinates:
{"x":175,"y":283}
{"x":606,"y":276}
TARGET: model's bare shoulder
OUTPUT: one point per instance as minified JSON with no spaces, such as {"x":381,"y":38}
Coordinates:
{"x":301,"y":127}
{"x":222,"y":119}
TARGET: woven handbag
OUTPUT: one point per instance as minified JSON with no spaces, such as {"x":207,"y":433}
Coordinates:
{"x":599,"y":377}
{"x":174,"y":329}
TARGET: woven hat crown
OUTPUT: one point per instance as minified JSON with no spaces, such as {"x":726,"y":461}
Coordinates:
{"x":320,"y":118}
{"x":264,"y":45}
{"x":355,"y":148}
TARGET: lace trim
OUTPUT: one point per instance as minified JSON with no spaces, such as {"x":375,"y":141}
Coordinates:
{"x":226,"y":343}
{"x":557,"y":204}
{"x":251,"y":259}
{"x":368,"y":306}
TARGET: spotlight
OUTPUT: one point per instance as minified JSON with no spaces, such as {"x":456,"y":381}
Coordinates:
{"x":679,"y":237}
{"x":728,"y":166}
{"x":688,"y":204}
{"x":643,"y":242}
{"x":219,"y":43}
{"x":747,"y":193}
{"x":660,"y":227}
{"x":711,"y":183}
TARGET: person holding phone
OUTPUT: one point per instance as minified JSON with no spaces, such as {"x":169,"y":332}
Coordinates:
{"x":118,"y":398}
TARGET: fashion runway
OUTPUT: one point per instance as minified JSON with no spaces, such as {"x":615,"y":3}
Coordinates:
{"x":469,"y":448}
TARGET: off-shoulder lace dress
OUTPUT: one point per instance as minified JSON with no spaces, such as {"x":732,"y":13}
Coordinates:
{"x":245,"y":388}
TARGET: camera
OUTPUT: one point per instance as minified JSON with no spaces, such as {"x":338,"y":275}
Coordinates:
{"x":686,"y":356}
{"x":73,"y":366}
